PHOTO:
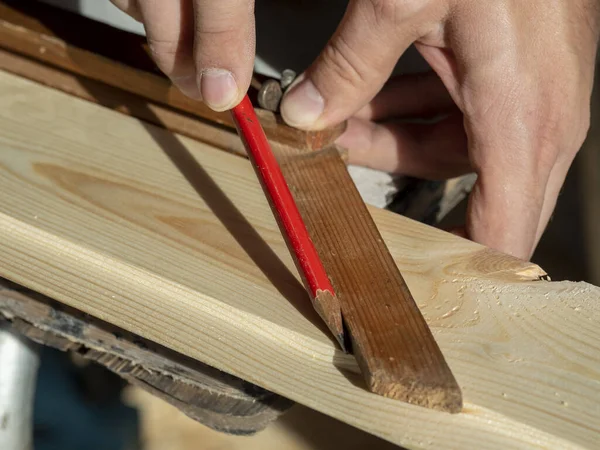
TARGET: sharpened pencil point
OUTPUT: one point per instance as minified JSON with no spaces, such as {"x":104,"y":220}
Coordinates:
{"x":328,"y":307}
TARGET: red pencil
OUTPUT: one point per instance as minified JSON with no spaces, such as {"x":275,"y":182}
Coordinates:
{"x":289,"y":219}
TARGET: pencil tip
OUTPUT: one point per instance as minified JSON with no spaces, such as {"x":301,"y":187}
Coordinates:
{"x":328,"y":307}
{"x":341,"y":341}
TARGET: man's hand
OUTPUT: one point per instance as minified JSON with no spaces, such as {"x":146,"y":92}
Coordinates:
{"x":513,"y":79}
{"x":206,"y":47}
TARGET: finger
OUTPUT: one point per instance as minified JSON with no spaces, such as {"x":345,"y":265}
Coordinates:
{"x":430,"y":151}
{"x":129,"y":7}
{"x":503,"y":213}
{"x":508,"y":100}
{"x":579,"y":128}
{"x":169,"y":29}
{"x":513,"y":166}
{"x":414,"y":95}
{"x":353,"y":67}
{"x":555,"y":183}
{"x":224,"y":50}
{"x":521,"y":166}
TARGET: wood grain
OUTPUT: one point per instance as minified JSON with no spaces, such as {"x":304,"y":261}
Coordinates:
{"x":120,"y":59}
{"x":395,"y":349}
{"x":174,"y":241}
{"x":123,"y":102}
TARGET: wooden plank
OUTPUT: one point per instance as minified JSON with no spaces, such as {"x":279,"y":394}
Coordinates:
{"x":395,"y":349}
{"x":127,"y":103}
{"x":120,"y":59}
{"x":174,"y":241}
{"x":216,"y":399}
{"x":123,"y":102}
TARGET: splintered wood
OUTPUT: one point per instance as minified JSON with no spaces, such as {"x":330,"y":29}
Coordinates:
{"x":393,"y":345}
{"x":174,"y":241}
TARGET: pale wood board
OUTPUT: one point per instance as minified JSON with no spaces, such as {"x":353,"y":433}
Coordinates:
{"x":95,"y":214}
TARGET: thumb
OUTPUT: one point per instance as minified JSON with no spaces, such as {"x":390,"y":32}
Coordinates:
{"x":352,"y":68}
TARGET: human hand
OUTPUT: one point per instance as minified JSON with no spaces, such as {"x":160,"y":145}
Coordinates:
{"x":515,"y":80}
{"x":206,"y":47}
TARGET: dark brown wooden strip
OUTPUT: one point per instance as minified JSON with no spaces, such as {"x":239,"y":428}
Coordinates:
{"x":393,"y":345}
{"x":120,"y":59}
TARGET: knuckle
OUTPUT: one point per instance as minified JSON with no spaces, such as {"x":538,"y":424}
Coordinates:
{"x":169,"y":55}
{"x":218,"y":41}
{"x":160,"y":47}
{"x":223,"y":23}
{"x":216,"y":44}
{"x":384,"y":9}
{"x":344,"y":63}
{"x":218,"y":31}
{"x":163,"y":56}
{"x":545,"y":123}
{"x":393,"y":9}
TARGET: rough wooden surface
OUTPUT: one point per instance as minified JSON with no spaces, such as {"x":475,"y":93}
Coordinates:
{"x":395,"y":349}
{"x":120,"y":59}
{"x":216,"y":399}
{"x":174,"y":241}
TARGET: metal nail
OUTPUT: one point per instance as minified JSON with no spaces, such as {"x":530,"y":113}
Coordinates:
{"x":287,"y":77}
{"x":269,"y":95}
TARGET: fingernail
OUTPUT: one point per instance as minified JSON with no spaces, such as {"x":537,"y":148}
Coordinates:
{"x":188,"y":86}
{"x":218,"y":89}
{"x":302,"y":105}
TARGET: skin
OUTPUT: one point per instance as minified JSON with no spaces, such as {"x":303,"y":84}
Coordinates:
{"x":510,"y":91}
